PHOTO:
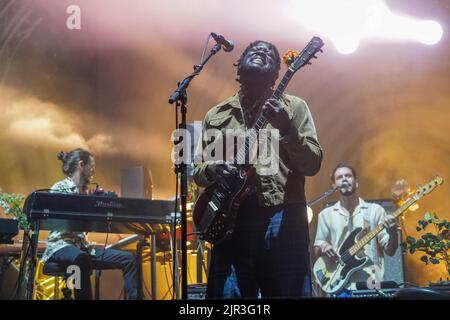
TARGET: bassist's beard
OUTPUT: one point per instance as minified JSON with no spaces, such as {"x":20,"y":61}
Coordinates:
{"x":347,"y":191}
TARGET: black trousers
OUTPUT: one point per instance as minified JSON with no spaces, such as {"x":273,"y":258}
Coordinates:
{"x":103,"y":259}
{"x":268,"y":253}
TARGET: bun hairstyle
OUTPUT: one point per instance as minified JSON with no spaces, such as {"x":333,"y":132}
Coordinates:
{"x":71,"y":159}
{"x":62,"y":156}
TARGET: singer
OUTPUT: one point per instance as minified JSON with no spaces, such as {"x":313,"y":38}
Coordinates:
{"x":71,"y":248}
{"x":268,"y":252}
{"x":336,"y":222}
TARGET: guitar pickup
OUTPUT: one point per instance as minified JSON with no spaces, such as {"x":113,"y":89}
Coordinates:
{"x":213,"y":206}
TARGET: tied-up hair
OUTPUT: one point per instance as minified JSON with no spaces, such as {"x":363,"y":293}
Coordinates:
{"x":71,"y":159}
{"x":277,"y":60}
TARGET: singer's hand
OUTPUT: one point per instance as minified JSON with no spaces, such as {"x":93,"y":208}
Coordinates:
{"x":220,"y":171}
{"x":277,"y":116}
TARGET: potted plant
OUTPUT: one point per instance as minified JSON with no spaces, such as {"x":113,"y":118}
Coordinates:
{"x":435,"y":244}
{"x":12,"y":205}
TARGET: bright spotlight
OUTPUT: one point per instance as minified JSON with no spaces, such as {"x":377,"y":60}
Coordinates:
{"x":430,"y":32}
{"x":346,"y":45}
{"x":347,"y":22}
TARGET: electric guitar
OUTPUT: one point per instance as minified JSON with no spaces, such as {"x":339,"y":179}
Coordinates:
{"x":215,"y":210}
{"x":333,"y":276}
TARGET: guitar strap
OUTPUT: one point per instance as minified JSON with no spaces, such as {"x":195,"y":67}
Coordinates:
{"x":368,"y":227}
{"x":366,"y":220}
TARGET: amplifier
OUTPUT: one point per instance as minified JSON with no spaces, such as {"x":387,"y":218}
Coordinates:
{"x":417,"y":293}
{"x":439,"y":292}
{"x":381,"y":293}
{"x":9,"y":228}
{"x":196,"y":291}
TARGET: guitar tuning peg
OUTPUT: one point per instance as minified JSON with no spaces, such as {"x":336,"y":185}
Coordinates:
{"x":320,"y":50}
{"x":315,"y":57}
{"x":309,"y":63}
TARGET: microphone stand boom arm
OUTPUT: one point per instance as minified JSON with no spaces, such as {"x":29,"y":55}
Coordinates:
{"x":323,"y":196}
{"x":182,"y":86}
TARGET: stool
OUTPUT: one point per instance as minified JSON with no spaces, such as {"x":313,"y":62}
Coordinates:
{"x":99,"y":267}
{"x":56,"y":270}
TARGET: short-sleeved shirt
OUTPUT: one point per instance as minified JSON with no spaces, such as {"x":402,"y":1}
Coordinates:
{"x":335,"y":224}
{"x":59,"y":239}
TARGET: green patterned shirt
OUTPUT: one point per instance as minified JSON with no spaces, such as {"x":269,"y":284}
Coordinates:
{"x":59,"y":239}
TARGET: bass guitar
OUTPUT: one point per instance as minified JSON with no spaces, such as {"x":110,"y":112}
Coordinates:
{"x":333,"y":276}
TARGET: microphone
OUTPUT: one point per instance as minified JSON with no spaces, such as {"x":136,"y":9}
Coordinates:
{"x":345,"y":184}
{"x":227,"y":45}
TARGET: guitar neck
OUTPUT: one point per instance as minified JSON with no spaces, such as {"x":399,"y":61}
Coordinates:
{"x":370,"y":235}
{"x":244,"y":151}
{"x":283,"y":84}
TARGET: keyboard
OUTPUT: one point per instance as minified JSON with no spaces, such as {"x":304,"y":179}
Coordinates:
{"x":96,"y":213}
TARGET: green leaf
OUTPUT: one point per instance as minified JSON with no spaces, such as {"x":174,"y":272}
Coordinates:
{"x":410,"y":240}
{"x":428,"y":218}
{"x":420,"y":242}
{"x":12,"y":205}
{"x":443,"y":224}
{"x":434,"y":261}
{"x":429,"y":236}
{"x":423,"y":224}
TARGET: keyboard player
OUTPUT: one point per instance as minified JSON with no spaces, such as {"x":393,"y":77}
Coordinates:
{"x":71,"y":248}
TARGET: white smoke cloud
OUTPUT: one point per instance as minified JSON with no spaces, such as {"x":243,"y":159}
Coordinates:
{"x":30,"y":121}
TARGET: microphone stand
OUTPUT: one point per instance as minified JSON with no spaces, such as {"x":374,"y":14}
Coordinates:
{"x":323,"y":196}
{"x":326,"y":194}
{"x":179,"y":97}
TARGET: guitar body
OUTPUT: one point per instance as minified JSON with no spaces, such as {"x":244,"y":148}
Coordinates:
{"x":215,"y":210}
{"x":332,"y":276}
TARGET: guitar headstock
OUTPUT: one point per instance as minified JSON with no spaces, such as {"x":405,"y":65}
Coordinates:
{"x":312,"y":48}
{"x":428,"y":187}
